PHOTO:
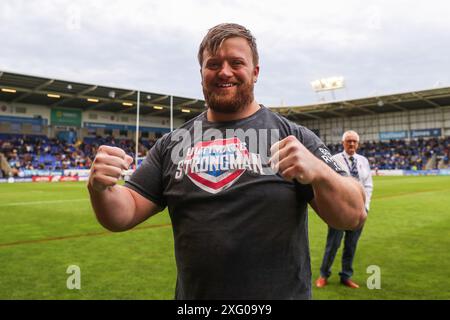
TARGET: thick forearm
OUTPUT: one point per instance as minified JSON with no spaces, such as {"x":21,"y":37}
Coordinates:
{"x":113,"y":207}
{"x":339,"y":201}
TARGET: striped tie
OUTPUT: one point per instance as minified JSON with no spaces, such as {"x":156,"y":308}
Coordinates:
{"x":354,"y":168}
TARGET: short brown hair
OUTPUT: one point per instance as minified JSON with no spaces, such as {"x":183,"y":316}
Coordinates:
{"x":216,"y":35}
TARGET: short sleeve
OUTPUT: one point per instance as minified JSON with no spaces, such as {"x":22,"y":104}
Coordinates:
{"x":318,"y":148}
{"x":147,"y":179}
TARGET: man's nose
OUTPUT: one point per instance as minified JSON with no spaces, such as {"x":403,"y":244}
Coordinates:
{"x":225,"y":71}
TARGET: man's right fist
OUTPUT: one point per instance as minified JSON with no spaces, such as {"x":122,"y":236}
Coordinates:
{"x":107,"y":167}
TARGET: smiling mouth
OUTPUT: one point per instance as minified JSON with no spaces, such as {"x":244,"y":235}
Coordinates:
{"x":225,"y":85}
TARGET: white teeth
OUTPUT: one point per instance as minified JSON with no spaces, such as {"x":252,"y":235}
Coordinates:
{"x":226,"y":85}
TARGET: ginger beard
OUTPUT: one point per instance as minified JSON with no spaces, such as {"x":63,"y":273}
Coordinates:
{"x":226,"y":101}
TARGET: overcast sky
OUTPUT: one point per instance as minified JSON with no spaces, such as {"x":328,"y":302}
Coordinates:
{"x":380,"y":47}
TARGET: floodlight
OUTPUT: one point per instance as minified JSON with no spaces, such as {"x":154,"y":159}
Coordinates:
{"x":9,"y":90}
{"x":331,"y":83}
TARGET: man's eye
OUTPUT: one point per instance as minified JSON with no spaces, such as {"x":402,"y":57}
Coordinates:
{"x":213,"y":65}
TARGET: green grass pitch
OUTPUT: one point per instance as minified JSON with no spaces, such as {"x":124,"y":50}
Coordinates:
{"x":46,"y":227}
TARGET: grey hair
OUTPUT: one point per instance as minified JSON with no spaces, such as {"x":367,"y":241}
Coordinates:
{"x":349,"y":132}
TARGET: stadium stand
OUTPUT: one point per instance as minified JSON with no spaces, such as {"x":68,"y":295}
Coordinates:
{"x":53,"y":125}
{"x":24,"y":152}
{"x":415,"y":154}
{"x":28,"y":152}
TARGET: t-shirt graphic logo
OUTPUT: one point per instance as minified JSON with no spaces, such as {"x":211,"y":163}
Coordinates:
{"x":215,"y":165}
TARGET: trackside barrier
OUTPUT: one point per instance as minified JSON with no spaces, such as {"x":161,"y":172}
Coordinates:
{"x":387,"y":172}
{"x":83,"y":175}
{"x":437,"y":172}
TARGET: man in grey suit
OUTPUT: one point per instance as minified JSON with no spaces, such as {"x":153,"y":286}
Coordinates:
{"x":358,"y":167}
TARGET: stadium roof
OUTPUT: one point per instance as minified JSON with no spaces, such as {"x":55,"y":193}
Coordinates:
{"x":426,"y":99}
{"x":35,"y":90}
{"x":29,"y":89}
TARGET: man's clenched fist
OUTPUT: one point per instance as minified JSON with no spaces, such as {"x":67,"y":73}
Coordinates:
{"x":107,"y":167}
{"x":293,"y":161}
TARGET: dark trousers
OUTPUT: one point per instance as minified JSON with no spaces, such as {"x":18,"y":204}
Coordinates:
{"x":334,"y":239}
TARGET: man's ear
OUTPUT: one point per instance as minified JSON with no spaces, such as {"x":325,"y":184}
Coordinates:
{"x":256,"y":73}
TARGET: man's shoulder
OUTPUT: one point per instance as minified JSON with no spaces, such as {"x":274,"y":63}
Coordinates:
{"x":338,"y":155}
{"x":167,"y":140}
{"x":304,"y":134}
{"x":188,"y":124}
{"x":364,"y":160}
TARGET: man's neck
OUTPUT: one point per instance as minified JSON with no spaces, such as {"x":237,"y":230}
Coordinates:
{"x":213,"y":116}
{"x":350,"y":154}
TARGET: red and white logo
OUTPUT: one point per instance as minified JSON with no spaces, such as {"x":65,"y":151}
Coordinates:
{"x":215,"y":165}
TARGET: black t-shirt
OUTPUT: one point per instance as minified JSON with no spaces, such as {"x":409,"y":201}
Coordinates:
{"x":240,"y":231}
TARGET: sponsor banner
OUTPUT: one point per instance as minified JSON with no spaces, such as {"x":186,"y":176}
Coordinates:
{"x":76,"y":172}
{"x":421,"y":172}
{"x":33,"y":121}
{"x":387,"y":172}
{"x":388,"y":135}
{"x":36,"y":172}
{"x":68,"y":179}
{"x":435,"y":132}
{"x":71,"y":172}
{"x":42,"y":178}
{"x":441,"y":172}
{"x":53,"y":178}
{"x":95,"y":125}
{"x":12,"y":180}
{"x":30,"y":173}
{"x":66,"y":117}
